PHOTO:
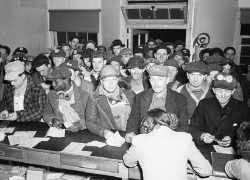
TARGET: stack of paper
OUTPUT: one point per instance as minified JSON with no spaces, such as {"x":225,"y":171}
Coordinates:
{"x":25,"y":139}
{"x":54,"y":132}
{"x":224,"y":150}
{"x":76,"y":148}
{"x":96,"y":144}
{"x":115,"y":140}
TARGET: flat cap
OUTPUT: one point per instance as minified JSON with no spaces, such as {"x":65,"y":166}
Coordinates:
{"x":136,"y":62}
{"x":162,"y":47}
{"x":58,"y":53}
{"x":13,"y":69}
{"x":217,"y":59}
{"x":152,"y":60}
{"x":196,"y":67}
{"x":224,"y":81}
{"x":171,"y":62}
{"x":59,"y":73}
{"x":214,"y":67}
{"x":99,"y":54}
{"x":125,"y":51}
{"x":40,"y":60}
{"x":71,"y":64}
{"x":158,"y":70}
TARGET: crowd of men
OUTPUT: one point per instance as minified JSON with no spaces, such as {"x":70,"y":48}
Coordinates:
{"x":81,"y":88}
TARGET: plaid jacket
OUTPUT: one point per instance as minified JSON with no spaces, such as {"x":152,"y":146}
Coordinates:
{"x":34,"y":101}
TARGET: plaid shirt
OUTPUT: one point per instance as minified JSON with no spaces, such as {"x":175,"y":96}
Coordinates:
{"x":34,"y":101}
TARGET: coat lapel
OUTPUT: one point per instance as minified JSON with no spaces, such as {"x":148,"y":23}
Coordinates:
{"x":169,"y":102}
{"x":146,"y":101}
{"x":214,"y":114}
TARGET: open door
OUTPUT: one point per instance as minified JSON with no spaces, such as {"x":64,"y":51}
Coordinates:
{"x":137,"y":37}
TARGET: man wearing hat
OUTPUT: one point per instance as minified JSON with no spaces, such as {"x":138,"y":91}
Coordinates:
{"x":140,"y":52}
{"x":58,"y":56}
{"x":112,"y":105}
{"x":90,"y":44}
{"x":67,"y":49}
{"x":47,"y":51}
{"x":179,"y":44}
{"x":74,"y":42}
{"x":66,"y":103}
{"x":116,"y":46}
{"x":20,"y":50}
{"x":73,"y":66}
{"x":150,"y":62}
{"x":159,"y":96}
{"x":98,"y":59}
{"x":216,"y":119}
{"x":204,"y":54}
{"x":170,"y":45}
{"x":172,"y":66}
{"x":137,"y":78}
{"x":43,"y":67}
{"x":116,"y":61}
{"x":4,"y":53}
{"x":161,"y":53}
{"x":197,"y":88}
{"x":125,"y":55}
{"x":181,"y":75}
{"x":213,"y":70}
{"x":151,"y":43}
{"x":23,"y":99}
{"x":77,"y":54}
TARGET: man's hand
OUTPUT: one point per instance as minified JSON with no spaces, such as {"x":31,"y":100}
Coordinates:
{"x":108,"y":134}
{"x":226,"y":141}
{"x":207,"y":138}
{"x":12,"y":117}
{"x":77,"y":126}
{"x":56,"y":123}
{"x":4,"y":115}
{"x":129,"y":137}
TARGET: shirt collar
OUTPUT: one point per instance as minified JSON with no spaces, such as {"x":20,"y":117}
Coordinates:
{"x":163,"y":96}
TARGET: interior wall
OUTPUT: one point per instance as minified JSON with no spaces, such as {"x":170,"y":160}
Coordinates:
{"x":244,"y":3}
{"x":24,"y":23}
{"x":74,"y":4}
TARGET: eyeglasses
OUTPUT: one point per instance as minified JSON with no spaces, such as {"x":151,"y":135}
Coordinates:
{"x":229,"y":79}
{"x":62,"y":95}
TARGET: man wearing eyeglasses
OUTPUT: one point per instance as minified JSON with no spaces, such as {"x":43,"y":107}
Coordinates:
{"x":66,"y":103}
{"x":216,"y":119}
{"x":23,"y":100}
{"x":112,"y":105}
{"x":197,"y":88}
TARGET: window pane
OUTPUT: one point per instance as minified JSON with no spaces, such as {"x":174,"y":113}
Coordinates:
{"x":245,"y":29}
{"x":176,"y":14}
{"x":61,"y":38}
{"x":147,"y":14}
{"x":161,"y":14}
{"x":244,"y":60}
{"x":245,"y":41}
{"x":93,"y":36}
{"x":83,"y":37}
{"x":245,"y":50}
{"x":70,"y":34}
{"x":133,"y":14}
{"x":243,"y":69}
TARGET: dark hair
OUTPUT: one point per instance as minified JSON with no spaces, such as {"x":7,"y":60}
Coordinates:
{"x":227,"y":48}
{"x":158,"y":117}
{"x":243,"y":140}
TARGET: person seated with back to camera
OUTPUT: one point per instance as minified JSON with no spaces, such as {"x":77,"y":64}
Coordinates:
{"x":239,"y":168}
{"x":162,"y":152}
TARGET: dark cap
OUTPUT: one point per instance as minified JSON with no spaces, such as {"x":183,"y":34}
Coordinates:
{"x":58,"y":53}
{"x":40,"y":60}
{"x":92,"y":42}
{"x":179,"y":42}
{"x":185,"y":52}
{"x":196,"y":67}
{"x":171,"y":62}
{"x":158,"y":70}
{"x":162,"y":47}
{"x":168,"y":44}
{"x":224,"y":81}
{"x":217,"y":51}
{"x":87,"y":53}
{"x":216,"y":59}
{"x":136,"y":62}
{"x":20,"y":50}
{"x":116,"y":59}
{"x":6,"y":48}
{"x":125,"y":51}
{"x":227,"y":48}
{"x":71,"y":64}
{"x":99,"y":54}
{"x":117,"y":42}
{"x":59,"y":73}
{"x":74,"y":37}
{"x":204,"y":51}
{"x":140,"y":50}
{"x":214,"y":67}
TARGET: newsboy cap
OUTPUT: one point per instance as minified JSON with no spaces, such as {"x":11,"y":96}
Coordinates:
{"x":71,"y":64}
{"x":158,"y":70}
{"x":136,"y":61}
{"x":171,"y":62}
{"x":196,"y":67}
{"x":224,"y":81}
{"x":59,"y":73}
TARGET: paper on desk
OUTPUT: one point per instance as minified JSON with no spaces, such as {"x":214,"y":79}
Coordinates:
{"x":85,"y":153}
{"x":72,"y":177}
{"x":96,"y":143}
{"x":7,"y":129}
{"x":54,"y":132}
{"x":18,"y":139}
{"x":30,"y":133}
{"x":225,"y":150}
{"x":74,"y":148}
{"x":54,"y":175}
{"x":33,"y":142}
{"x":16,"y":178}
{"x":115,"y":140}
